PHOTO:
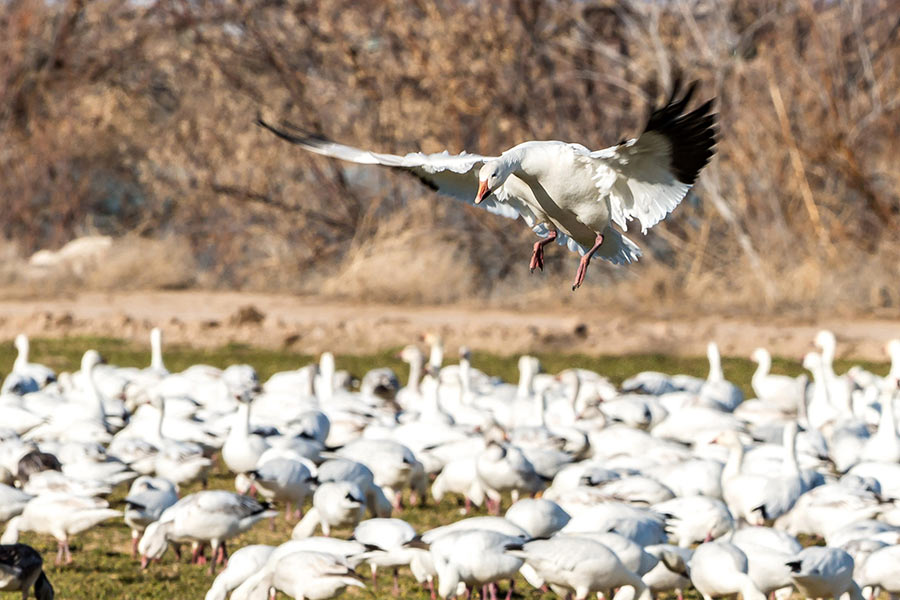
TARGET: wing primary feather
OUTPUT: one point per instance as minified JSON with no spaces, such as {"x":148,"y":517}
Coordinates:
{"x":692,"y":135}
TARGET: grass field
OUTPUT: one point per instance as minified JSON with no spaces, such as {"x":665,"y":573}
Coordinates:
{"x":103,"y":568}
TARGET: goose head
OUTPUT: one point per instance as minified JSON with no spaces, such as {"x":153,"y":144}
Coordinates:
{"x":21,"y":343}
{"x":825,"y":340}
{"x":492,"y":176}
{"x":153,"y":543}
{"x":90,"y":360}
{"x":759,"y":355}
{"x":242,"y":381}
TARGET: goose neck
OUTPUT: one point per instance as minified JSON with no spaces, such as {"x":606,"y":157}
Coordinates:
{"x":22,"y":345}
{"x":791,"y":466}
{"x":715,"y":363}
{"x":415,"y":375}
{"x":156,"y":358}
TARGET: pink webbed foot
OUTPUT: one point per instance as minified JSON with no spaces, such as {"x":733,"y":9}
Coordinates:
{"x":537,"y":253}
{"x":584,"y":262}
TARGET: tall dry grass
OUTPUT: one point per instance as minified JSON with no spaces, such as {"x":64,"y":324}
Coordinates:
{"x":136,"y":119}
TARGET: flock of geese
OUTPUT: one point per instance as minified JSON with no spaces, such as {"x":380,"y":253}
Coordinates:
{"x":651,"y":487}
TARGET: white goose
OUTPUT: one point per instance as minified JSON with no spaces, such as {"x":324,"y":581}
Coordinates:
{"x":146,"y":501}
{"x":212,"y":516}
{"x":580,"y":565}
{"x":386,"y":540}
{"x":335,"y":504}
{"x":538,"y":516}
{"x":475,"y":557}
{"x":284,"y":480}
{"x":61,"y":516}
{"x":783,"y":391}
{"x":563,"y":191}
{"x":12,"y":502}
{"x":304,"y":574}
{"x":241,"y":566}
{"x":41,"y":374}
{"x":720,"y":569}
{"x":822,"y":572}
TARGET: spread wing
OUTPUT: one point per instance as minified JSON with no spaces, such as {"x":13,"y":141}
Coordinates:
{"x":454,"y":175}
{"x":647,"y":177}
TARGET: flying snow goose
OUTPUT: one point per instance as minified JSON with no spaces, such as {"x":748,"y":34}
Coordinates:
{"x":21,"y":568}
{"x":566,"y":192}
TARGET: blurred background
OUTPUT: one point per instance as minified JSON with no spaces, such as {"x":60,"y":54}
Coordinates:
{"x":129,"y":127}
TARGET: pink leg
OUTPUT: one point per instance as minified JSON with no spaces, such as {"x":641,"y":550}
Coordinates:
{"x":468,"y":506}
{"x":59,"y":553}
{"x":396,"y":589}
{"x":68,"y":552}
{"x":374,"y":580}
{"x":537,"y":254}
{"x":509,"y":592}
{"x":287,"y":511}
{"x":585,"y":261}
{"x":134,"y":544}
{"x":398,"y":501}
{"x":431,"y":589}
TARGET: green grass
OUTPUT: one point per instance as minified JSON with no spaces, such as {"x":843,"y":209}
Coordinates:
{"x":103,"y":568}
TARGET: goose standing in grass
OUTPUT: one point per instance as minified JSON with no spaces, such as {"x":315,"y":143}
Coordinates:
{"x":565,"y":192}
{"x":823,"y":572}
{"x":61,"y":516}
{"x":386,"y":540}
{"x":284,"y":480}
{"x":335,"y":504}
{"x":474,"y":557}
{"x":760,"y":498}
{"x":304,"y":574}
{"x":539,"y":517}
{"x":579,"y":565}
{"x":505,"y":468}
{"x":880,"y":570}
{"x":242,"y":565}
{"x":785,"y":392}
{"x":717,"y":391}
{"x":145,"y":502}
{"x":720,"y":569}
{"x":21,"y":569}
{"x":212,"y":516}
{"x":12,"y":502}
{"x":42,"y":375}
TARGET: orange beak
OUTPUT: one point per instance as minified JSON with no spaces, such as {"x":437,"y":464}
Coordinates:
{"x":482,"y":191}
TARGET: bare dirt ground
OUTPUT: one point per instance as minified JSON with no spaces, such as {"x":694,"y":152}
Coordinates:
{"x":205,"y":319}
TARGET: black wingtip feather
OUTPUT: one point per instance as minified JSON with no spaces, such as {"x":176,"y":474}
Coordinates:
{"x":692,"y":135}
